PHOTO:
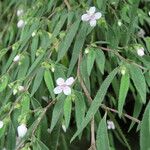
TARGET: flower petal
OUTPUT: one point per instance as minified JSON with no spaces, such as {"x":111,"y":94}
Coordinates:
{"x":60,"y":81}
{"x":97,"y":15}
{"x":93,"y":23}
{"x":91,"y":10}
{"x":57,"y":90}
{"x":69,"y":81}
{"x":67,"y":90}
{"x":85,"y":17}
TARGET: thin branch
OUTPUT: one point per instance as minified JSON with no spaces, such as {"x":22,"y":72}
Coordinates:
{"x":42,"y":115}
{"x":67,"y":4}
{"x":122,"y":58}
{"x":93,"y":147}
{"x":123,"y":114}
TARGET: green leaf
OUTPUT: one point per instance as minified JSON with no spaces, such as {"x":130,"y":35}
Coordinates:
{"x":58,"y":26}
{"x":35,"y":64}
{"x":41,"y":145}
{"x":96,"y":102}
{"x":80,"y":108}
{"x":100,"y":60}
{"x":67,"y":110}
{"x":64,"y":46}
{"x":34,"y":47}
{"x":49,"y":82}
{"x":139,"y":81}
{"x":57,"y":111}
{"x":124,"y":87}
{"x":147,"y":41}
{"x":102,"y":141}
{"x":118,"y":128}
{"x":3,"y":52}
{"x":145,"y":130}
{"x":37,"y":81}
{"x":23,"y":68}
{"x":4,"y":82}
{"x":25,"y":103}
{"x":90,"y":60}
{"x":136,"y":112}
{"x":79,"y":42}
{"x":11,"y":137}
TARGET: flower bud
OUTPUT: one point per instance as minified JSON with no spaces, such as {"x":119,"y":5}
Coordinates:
{"x":19,"y":12}
{"x":119,"y":23}
{"x":140,"y":51}
{"x":52,"y":69}
{"x":86,"y":51}
{"x":22,"y":130}
{"x":17,"y":58}
{"x":20,"y":24}
{"x":21,"y":88}
{"x":33,"y":34}
{"x":64,"y":128}
{"x":1,"y":124}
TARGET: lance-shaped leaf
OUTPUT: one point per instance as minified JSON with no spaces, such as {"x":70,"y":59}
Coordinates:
{"x":102,"y":141}
{"x":64,"y":46}
{"x":139,"y":81}
{"x":124,"y":87}
{"x":145,"y":130}
{"x":90,"y":60}
{"x":96,"y":102}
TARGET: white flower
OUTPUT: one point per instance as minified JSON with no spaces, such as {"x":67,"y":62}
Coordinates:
{"x":149,"y":13}
{"x":19,"y":12}
{"x":64,"y":86}
{"x":22,"y":130}
{"x":1,"y":124}
{"x":21,"y":88}
{"x":140,"y":51}
{"x":110,"y":125}
{"x":91,"y":16}
{"x":20,"y":24}
{"x":17,"y":58}
{"x":119,"y":23}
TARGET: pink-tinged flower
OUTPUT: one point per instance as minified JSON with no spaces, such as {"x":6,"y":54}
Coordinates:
{"x":110,"y":125}
{"x":140,"y":51}
{"x":91,"y":16}
{"x":64,"y":86}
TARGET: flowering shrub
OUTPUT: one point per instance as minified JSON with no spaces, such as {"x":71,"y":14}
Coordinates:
{"x":74,"y":74}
